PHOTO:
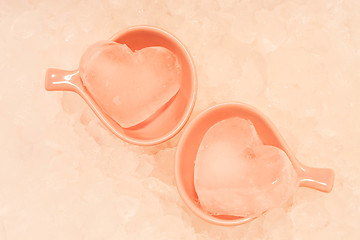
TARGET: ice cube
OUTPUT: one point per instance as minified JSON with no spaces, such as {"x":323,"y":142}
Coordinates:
{"x":235,"y":174}
{"x":130,"y":86}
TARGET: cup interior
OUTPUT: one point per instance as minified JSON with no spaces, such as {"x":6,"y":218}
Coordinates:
{"x":169,"y":120}
{"x":189,"y":144}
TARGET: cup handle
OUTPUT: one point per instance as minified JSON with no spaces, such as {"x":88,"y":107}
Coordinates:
{"x":62,"y":80}
{"x":321,"y":179}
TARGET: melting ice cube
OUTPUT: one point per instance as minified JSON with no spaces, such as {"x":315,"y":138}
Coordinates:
{"x":235,"y":174}
{"x":130,"y":86}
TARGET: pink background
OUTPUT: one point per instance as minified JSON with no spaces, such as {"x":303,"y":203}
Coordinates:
{"x":64,"y":176}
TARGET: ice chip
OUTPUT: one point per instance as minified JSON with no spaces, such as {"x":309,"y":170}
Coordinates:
{"x":130,"y":86}
{"x":236,"y":174}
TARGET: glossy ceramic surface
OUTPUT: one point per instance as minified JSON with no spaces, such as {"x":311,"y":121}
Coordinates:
{"x":170,"y":119}
{"x":317,"y":178}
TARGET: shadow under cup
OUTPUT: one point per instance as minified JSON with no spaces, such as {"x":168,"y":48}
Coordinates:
{"x":169,"y":120}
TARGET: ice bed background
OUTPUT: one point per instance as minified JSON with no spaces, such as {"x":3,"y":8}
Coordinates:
{"x":63,"y":176}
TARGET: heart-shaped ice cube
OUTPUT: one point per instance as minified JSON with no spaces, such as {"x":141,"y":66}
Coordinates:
{"x":130,"y":86}
{"x":236,"y":174}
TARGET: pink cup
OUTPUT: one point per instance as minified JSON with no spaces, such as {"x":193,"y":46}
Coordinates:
{"x":170,"y":119}
{"x":321,"y":179}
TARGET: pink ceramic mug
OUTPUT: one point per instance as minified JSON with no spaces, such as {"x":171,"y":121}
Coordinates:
{"x":170,"y":119}
{"x":321,"y":179}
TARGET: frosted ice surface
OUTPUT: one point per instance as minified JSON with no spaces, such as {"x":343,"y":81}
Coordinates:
{"x":27,"y":24}
{"x":243,"y":27}
{"x":278,"y":224}
{"x":127,"y":207}
{"x":54,"y":151}
{"x":272,"y":32}
{"x":144,"y":169}
{"x":253,"y":76}
{"x":2,"y":231}
{"x":130,"y":87}
{"x":235,"y":174}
